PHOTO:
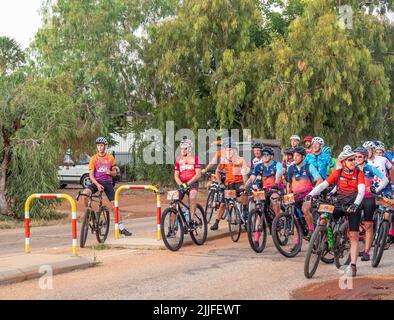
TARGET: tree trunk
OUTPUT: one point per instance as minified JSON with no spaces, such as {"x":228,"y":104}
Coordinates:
{"x":4,"y":206}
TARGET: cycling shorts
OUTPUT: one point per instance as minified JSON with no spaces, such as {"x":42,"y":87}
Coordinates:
{"x":108,"y":189}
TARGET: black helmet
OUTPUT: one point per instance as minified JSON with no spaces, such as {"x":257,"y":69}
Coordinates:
{"x":268,"y":150}
{"x":300,"y":150}
{"x":289,"y":151}
{"x":257,"y":145}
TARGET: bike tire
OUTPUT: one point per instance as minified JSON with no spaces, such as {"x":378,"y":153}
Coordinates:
{"x":380,"y":243}
{"x":103,"y":226}
{"x":341,"y":241}
{"x":314,"y":248}
{"x":177,"y":243}
{"x":209,"y":211}
{"x":275,"y":235}
{"x":200,"y":218}
{"x":234,"y":223}
{"x":253,"y":214}
{"x":85,"y":228}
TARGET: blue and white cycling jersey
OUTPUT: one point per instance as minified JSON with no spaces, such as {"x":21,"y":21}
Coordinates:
{"x":321,"y":162}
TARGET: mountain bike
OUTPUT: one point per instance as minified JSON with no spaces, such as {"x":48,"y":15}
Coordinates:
{"x":290,"y":227}
{"x":98,"y":221}
{"x":215,"y":196}
{"x":260,"y":217}
{"x":233,"y":213}
{"x":175,"y":222}
{"x":382,"y":217}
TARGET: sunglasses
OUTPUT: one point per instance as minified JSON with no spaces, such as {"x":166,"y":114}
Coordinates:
{"x":351,"y":160}
{"x":266,"y":154}
{"x":359,"y":157}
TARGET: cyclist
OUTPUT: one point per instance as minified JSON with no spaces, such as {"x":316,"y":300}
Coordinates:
{"x":187,"y":173}
{"x":350,"y":185}
{"x":295,"y":141}
{"x":258,"y":158}
{"x":321,"y":161}
{"x":288,"y":160}
{"x":301,"y":177}
{"x":390,"y":155}
{"x":372,"y":176}
{"x":235,"y":178}
{"x":327,"y":150}
{"x":271,"y":173}
{"x":102,"y":167}
{"x":308,"y":144}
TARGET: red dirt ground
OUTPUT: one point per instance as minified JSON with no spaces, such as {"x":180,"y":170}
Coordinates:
{"x":366,"y":288}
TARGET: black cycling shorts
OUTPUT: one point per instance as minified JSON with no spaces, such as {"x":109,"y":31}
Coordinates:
{"x":236,"y":187}
{"x":354,"y":218}
{"x":108,"y":189}
{"x":369,"y":207}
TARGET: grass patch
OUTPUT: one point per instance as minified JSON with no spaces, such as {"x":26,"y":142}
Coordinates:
{"x":101,"y":246}
{"x":55,"y":218}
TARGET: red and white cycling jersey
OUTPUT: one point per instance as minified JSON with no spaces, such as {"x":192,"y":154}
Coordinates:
{"x":187,"y":167}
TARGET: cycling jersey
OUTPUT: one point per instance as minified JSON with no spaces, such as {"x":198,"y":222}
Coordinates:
{"x":302,"y":179}
{"x":384,"y":166}
{"x":99,"y":165}
{"x":269,"y":173}
{"x":347,"y":183}
{"x":187,"y":167}
{"x":321,"y":162}
{"x":372,"y":177}
{"x":233,"y":169}
{"x":255,"y":162}
{"x":390,"y":156}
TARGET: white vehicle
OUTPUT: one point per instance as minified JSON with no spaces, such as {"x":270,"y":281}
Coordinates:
{"x":74,"y":172}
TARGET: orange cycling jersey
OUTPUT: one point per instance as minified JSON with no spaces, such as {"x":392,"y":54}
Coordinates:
{"x":233,"y":169}
{"x":99,"y":165}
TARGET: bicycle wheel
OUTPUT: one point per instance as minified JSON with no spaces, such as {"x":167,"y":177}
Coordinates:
{"x":210,"y":205}
{"x":102,"y":225}
{"x":234,"y":223}
{"x":380,"y":243}
{"x":342,"y":246}
{"x":199,"y":235}
{"x":287,"y":234}
{"x":172,"y":231}
{"x":315,"y":249}
{"x":257,"y":231}
{"x":85,"y":228}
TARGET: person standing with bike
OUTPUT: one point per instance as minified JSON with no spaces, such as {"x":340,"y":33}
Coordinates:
{"x":271,"y":173}
{"x":187,"y":173}
{"x":320,"y":160}
{"x":301,"y":177}
{"x":235,"y":178}
{"x":372,"y":177}
{"x":350,"y":184}
{"x":102,"y":167}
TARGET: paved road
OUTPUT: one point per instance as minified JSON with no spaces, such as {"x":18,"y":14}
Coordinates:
{"x":220,"y":269}
{"x":49,"y":237}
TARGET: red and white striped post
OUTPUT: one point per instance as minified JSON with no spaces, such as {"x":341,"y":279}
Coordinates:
{"x":138,"y":187}
{"x":51,"y":196}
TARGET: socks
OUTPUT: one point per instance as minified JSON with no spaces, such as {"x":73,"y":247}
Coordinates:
{"x":391,"y":233}
{"x":311,"y":227}
{"x":366,"y":251}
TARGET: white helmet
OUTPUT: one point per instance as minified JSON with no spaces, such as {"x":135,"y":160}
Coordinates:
{"x":369,"y":145}
{"x":380,"y":146}
{"x":347,"y":148}
{"x":346,"y":154}
{"x":186,"y":143}
{"x":318,"y":140}
{"x":295,"y":137}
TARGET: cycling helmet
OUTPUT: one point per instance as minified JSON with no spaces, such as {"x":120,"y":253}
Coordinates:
{"x":101,"y":140}
{"x":345,"y":154}
{"x":295,"y":137}
{"x":308,"y":138}
{"x":380,"y":145}
{"x":369,"y":145}
{"x":326,"y":149}
{"x":300,"y":150}
{"x":289,"y":151}
{"x":361,"y":150}
{"x":186,"y":143}
{"x":257,"y":145}
{"x":318,"y":140}
{"x":347,"y":148}
{"x":268,"y":150}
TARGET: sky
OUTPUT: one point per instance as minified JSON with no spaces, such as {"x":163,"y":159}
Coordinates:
{"x":20,"y":19}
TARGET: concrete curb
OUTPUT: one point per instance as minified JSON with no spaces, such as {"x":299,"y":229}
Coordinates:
{"x":153,"y":244}
{"x":33,"y":272}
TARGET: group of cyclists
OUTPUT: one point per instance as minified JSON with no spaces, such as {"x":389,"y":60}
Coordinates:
{"x":355,"y":177}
